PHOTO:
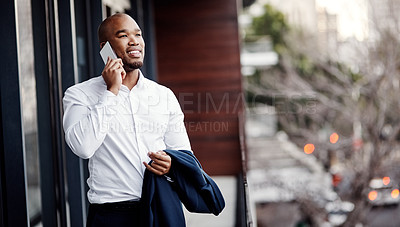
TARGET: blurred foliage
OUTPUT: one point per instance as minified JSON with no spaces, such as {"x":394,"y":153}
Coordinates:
{"x":272,"y":23}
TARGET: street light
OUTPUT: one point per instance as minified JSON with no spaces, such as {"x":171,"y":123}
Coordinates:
{"x":309,"y":148}
{"x":334,"y":138}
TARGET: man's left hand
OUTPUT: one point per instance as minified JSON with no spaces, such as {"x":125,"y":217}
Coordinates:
{"x":161,"y":163}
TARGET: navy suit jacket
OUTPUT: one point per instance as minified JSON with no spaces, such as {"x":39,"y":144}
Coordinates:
{"x":162,"y":199}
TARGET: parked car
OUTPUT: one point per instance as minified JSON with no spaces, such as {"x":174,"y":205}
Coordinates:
{"x":383,"y":192}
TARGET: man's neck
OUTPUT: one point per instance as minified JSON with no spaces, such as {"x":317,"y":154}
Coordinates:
{"x":131,"y":79}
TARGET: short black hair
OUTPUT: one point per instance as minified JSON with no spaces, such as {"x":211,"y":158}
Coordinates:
{"x":103,"y":27}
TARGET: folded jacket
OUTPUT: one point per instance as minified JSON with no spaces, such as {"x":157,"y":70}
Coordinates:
{"x":162,"y":199}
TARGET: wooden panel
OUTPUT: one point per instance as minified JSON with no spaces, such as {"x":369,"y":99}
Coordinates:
{"x":223,"y":160}
{"x":198,"y":58}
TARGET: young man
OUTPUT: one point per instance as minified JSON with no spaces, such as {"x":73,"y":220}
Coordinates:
{"x":121,"y":121}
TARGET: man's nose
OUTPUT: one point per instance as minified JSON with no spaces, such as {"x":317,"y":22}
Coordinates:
{"x":133,"y":42}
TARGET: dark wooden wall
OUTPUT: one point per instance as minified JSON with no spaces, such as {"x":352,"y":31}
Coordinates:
{"x":198,"y":58}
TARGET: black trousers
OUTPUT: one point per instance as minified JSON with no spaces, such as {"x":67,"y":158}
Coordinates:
{"x":120,"y":214}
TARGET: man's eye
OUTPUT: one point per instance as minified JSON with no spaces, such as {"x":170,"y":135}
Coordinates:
{"x":123,"y":36}
{"x":138,"y":34}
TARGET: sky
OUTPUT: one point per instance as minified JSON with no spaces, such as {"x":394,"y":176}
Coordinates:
{"x":351,"y":16}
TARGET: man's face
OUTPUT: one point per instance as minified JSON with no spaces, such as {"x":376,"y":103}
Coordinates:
{"x":126,"y":39}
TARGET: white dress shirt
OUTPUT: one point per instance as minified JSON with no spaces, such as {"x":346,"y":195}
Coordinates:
{"x":117,"y":132}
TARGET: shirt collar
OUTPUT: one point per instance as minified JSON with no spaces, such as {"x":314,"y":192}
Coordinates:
{"x":141,"y":81}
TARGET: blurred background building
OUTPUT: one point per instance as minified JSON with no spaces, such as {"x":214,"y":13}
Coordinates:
{"x":193,"y":47}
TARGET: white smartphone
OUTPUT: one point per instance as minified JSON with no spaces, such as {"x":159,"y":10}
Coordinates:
{"x":106,"y":52}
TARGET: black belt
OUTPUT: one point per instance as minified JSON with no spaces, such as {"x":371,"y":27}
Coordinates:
{"x":125,"y":205}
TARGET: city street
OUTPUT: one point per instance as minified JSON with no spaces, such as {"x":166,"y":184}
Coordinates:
{"x":384,"y":216}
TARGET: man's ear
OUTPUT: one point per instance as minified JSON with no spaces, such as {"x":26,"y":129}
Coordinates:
{"x":102,"y":44}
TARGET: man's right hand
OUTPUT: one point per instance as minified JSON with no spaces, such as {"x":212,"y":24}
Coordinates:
{"x":113,"y":74}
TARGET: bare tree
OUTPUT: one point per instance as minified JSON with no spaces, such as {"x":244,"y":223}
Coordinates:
{"x":314,"y":96}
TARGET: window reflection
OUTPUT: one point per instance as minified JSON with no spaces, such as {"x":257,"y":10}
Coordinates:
{"x":111,"y":7}
{"x":29,"y":108}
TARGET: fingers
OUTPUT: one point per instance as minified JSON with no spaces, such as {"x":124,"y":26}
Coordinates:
{"x":155,"y":169}
{"x":161,"y":162}
{"x":123,"y":73}
{"x":114,"y":63}
{"x":113,"y":74}
{"x":160,"y":157}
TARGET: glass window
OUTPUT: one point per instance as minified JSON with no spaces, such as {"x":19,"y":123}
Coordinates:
{"x":29,"y":108}
{"x":111,"y":7}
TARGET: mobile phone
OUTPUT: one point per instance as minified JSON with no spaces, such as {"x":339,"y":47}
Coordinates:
{"x":106,"y":52}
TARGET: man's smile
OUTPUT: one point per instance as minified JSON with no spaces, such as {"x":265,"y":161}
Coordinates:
{"x":134,"y":53}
